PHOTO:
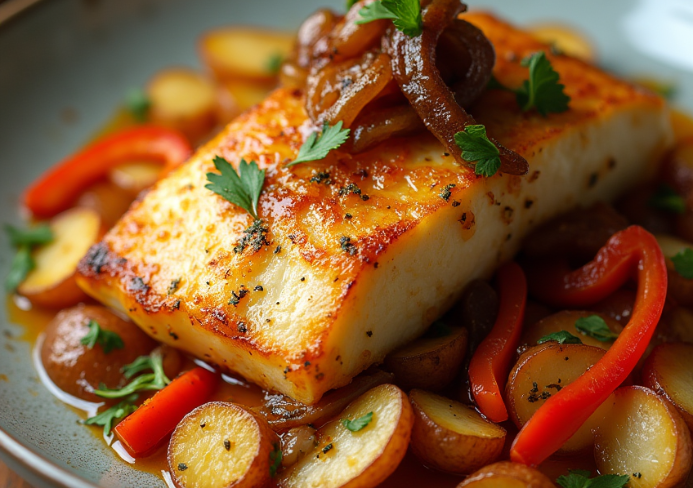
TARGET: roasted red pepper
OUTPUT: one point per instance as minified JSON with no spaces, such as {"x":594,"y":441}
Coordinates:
{"x":630,"y":253}
{"x":58,"y":188}
{"x":144,"y":429}
{"x":488,"y":369}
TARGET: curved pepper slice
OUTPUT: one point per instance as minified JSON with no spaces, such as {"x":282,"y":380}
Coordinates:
{"x":630,"y":253}
{"x":488,"y":369}
{"x":57,"y":189}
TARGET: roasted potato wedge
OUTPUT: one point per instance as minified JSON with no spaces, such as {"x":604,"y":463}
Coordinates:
{"x":240,"y":95}
{"x":541,"y":372}
{"x":452,"y":437}
{"x":108,"y":200}
{"x":676,"y":325}
{"x":669,"y":371}
{"x":565,"y":320}
{"x":183,"y":99}
{"x":507,"y":475}
{"x":222,"y":445}
{"x":245,"y":52}
{"x":429,"y":362}
{"x":52,"y":282}
{"x":361,"y":459}
{"x":566,"y":40}
{"x":643,"y":434}
{"x":680,"y":289}
{"x":136,"y":176}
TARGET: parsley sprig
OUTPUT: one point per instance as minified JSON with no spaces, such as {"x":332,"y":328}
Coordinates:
{"x":116,"y":412}
{"x":665,"y":198}
{"x":479,"y":150}
{"x":138,"y":104}
{"x":562,"y":337}
{"x":359,"y":423}
{"x":578,"y":478}
{"x":155,"y":380}
{"x":405,"y":14}
{"x":683,"y":263}
{"x":107,"y":339}
{"x":317,"y":146}
{"x":24,"y":240}
{"x":242,"y":188}
{"x":275,"y":456}
{"x":595,"y":327}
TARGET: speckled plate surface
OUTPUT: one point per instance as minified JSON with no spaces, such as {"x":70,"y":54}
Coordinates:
{"x":64,"y":67}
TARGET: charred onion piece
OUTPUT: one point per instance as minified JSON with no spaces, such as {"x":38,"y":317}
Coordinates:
{"x":378,"y":125}
{"x":414,"y":68}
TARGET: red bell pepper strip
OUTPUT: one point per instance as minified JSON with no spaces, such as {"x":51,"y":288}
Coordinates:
{"x":488,"y":369}
{"x":630,"y":253}
{"x":58,"y":188}
{"x":146,"y":427}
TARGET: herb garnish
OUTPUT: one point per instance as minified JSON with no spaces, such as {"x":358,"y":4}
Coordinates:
{"x":155,"y":380}
{"x":595,"y":327}
{"x":275,"y":460}
{"x":242,"y":188}
{"x":683,"y":263}
{"x":359,"y":423}
{"x":479,"y":150}
{"x":138,"y":104}
{"x":254,"y":236}
{"x":24,"y":240}
{"x":317,"y":146}
{"x":446,"y":192}
{"x":116,"y":412}
{"x":350,"y":3}
{"x":107,"y":339}
{"x":405,"y":14}
{"x":665,"y":198}
{"x":579,"y":478}
{"x":347,"y":246}
{"x":274,"y":63}
{"x":562,"y":337}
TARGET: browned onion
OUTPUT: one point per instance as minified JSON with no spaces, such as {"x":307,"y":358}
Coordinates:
{"x":378,"y":125}
{"x":315,"y":28}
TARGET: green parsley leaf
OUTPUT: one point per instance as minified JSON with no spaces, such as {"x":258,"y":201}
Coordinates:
{"x":358,"y":424}
{"x":581,"y":479}
{"x":275,"y":456}
{"x":316,"y":147}
{"x":22,"y":264}
{"x":542,"y":90}
{"x":138,"y":104}
{"x":35,"y":236}
{"x":242,"y":188}
{"x":116,"y":412}
{"x":477,"y":148}
{"x":107,"y":339}
{"x":405,"y":14}
{"x":150,"y":381}
{"x":683,"y":263}
{"x":562,"y":337}
{"x":594,"y":326}
{"x":439,"y":329}
{"x":665,"y":198}
{"x":274,"y":64}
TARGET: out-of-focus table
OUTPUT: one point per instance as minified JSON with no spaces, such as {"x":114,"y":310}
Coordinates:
{"x":9,"y":479}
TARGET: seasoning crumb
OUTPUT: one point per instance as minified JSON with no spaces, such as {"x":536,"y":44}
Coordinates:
{"x":327,"y":448}
{"x":242,"y":328}
{"x":306,"y":364}
{"x":173,"y":286}
{"x":347,"y":216}
{"x":303,"y":278}
{"x":227,"y":444}
{"x":446,"y":192}
{"x":259,"y":288}
{"x":182,"y":466}
{"x":369,"y":333}
{"x":202,"y":425}
{"x":278,"y":250}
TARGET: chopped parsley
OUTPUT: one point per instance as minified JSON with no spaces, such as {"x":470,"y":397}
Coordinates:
{"x":155,"y":380}
{"x":317,"y":146}
{"x":173,"y":287}
{"x":242,"y":188}
{"x":665,"y":198}
{"x":254,"y":236}
{"x":478,"y":150}
{"x":116,"y":412}
{"x":359,"y":423}
{"x":347,"y":246}
{"x":138,"y":104}
{"x":327,"y":448}
{"x":321,"y":177}
{"x":405,"y":14}
{"x":274,"y":63}
{"x":562,"y":337}
{"x":107,"y":339}
{"x":595,"y":327}
{"x":24,"y":240}
{"x":578,"y":478}
{"x":683,"y":263}
{"x":275,"y":460}
{"x":446,"y":192}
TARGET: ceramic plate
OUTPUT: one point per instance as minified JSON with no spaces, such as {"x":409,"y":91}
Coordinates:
{"x":64,"y":67}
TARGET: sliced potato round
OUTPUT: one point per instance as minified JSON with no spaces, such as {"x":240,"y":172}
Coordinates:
{"x":565,"y":320}
{"x":507,"y":475}
{"x":220,"y":445}
{"x":452,"y":437}
{"x":136,"y":176}
{"x":361,"y":459}
{"x":566,"y":40}
{"x":239,"y":95}
{"x":429,"y":362}
{"x":543,"y":371}
{"x":643,"y":434}
{"x":108,"y":200}
{"x":183,"y":99}
{"x":244,"y":52}
{"x":669,"y":371}
{"x":52,"y":282}
{"x":676,"y":325}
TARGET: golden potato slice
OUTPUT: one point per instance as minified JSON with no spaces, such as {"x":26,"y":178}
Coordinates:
{"x":566,"y":39}
{"x":507,"y":475}
{"x":220,"y":445}
{"x":136,"y":176}
{"x":245,"y":52}
{"x":52,"y":282}
{"x":543,"y":371}
{"x":183,"y":99}
{"x":429,"y":362}
{"x":669,"y":371}
{"x":676,"y":325}
{"x":644,"y":437}
{"x":108,"y":200}
{"x":361,"y":459}
{"x":565,"y":320}
{"x":239,"y":95}
{"x":452,"y":437}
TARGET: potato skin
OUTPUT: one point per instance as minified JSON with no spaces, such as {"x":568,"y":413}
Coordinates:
{"x":76,"y":369}
{"x":449,"y":451}
{"x":565,"y":320}
{"x":509,"y":472}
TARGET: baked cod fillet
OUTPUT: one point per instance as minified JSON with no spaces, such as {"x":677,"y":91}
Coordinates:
{"x":358,"y":254}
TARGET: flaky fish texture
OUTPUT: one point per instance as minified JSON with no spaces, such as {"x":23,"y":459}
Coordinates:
{"x":358,"y":254}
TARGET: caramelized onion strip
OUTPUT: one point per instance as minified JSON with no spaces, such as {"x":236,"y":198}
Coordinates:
{"x":378,"y":125}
